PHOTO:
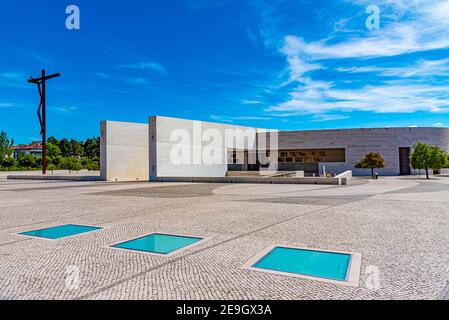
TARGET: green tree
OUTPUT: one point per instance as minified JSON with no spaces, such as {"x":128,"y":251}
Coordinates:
{"x":76,"y":149}
{"x":426,"y":156}
{"x":27,"y":161}
{"x":5,"y":146}
{"x":55,"y":160}
{"x":8,"y":162}
{"x":93,"y":165}
{"x":89,"y":148}
{"x":65,"y":147}
{"x":92,"y":148}
{"x":371,"y":160}
{"x":53,"y":140}
{"x":71,"y":163}
{"x":52,"y":167}
{"x":53,"y":150}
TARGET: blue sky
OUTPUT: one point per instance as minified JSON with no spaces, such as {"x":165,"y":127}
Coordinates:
{"x":299,"y":64}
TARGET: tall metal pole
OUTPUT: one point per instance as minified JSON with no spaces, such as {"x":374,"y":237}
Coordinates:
{"x":44,"y":127}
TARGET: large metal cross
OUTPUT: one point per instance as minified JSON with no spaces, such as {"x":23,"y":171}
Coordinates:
{"x":42,"y":113}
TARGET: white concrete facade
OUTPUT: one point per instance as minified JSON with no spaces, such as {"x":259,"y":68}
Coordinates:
{"x":124,"y":151}
{"x":170,"y":147}
{"x":186,"y":148}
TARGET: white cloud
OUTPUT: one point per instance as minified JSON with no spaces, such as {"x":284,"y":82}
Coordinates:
{"x":415,"y":26}
{"x":438,"y":125}
{"x":251,"y":118}
{"x":147,"y":65}
{"x":220,"y":119}
{"x":422,"y":69}
{"x":365,"y":69}
{"x":232,"y":119}
{"x":421,"y":26}
{"x":250,"y":101}
{"x":66,"y":109}
{"x":393,"y":98}
{"x":328,"y":117}
{"x":137,"y":80}
{"x":14,"y":79}
{"x":297,"y":66}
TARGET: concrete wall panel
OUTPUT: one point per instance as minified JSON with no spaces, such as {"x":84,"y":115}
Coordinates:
{"x":165,"y":137}
{"x":358,"y":142}
{"x":124,"y":151}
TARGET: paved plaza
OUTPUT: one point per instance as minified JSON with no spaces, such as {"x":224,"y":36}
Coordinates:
{"x":399,"y":225}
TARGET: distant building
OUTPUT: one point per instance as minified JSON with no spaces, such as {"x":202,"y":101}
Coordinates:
{"x":34,"y":149}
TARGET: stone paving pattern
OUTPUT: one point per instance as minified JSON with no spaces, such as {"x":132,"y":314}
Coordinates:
{"x":399,"y":225}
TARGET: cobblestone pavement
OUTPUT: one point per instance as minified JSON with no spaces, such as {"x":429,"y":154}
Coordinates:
{"x":400,"y":226}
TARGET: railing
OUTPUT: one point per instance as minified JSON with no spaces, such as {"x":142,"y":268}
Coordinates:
{"x":347,"y":174}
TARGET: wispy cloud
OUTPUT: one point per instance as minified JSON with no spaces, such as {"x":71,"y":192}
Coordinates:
{"x":137,"y":80}
{"x":232,"y":119}
{"x":423,"y":68}
{"x":103,"y":75}
{"x":220,"y":118}
{"x":421,"y":27}
{"x":43,"y":59}
{"x":438,"y":125}
{"x":251,"y":118}
{"x":14,"y":79}
{"x":130,"y":80}
{"x":244,"y":101}
{"x":410,"y":27}
{"x":147,"y":65}
{"x":65,"y":109}
{"x":6,"y":105}
{"x":328,"y":117}
{"x":392,"y":98}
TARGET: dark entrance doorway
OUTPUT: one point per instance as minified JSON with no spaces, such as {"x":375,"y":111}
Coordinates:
{"x":404,"y":161}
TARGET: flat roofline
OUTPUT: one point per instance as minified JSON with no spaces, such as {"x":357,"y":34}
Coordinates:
{"x":211,"y":122}
{"x":280,"y":130}
{"x":375,"y":128}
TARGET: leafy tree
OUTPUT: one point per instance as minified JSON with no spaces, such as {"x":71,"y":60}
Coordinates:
{"x":85,"y":161}
{"x":76,"y":149}
{"x":55,"y":160}
{"x":5,"y":146}
{"x":27,"y":161}
{"x":93,"y":166}
{"x":426,"y":156}
{"x":8,"y":162}
{"x":371,"y":160}
{"x":65,"y":147}
{"x":53,"y":150}
{"x":89,"y":148}
{"x":92,"y":147}
{"x":53,"y":140}
{"x":65,"y":154}
{"x":71,"y":163}
{"x":52,"y":167}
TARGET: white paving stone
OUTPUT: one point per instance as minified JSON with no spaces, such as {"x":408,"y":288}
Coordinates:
{"x":399,"y":226}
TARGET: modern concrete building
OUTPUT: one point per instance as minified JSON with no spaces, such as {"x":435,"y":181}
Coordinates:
{"x":169,"y":147}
